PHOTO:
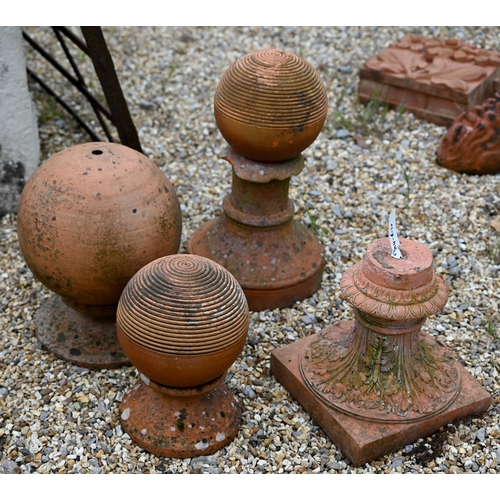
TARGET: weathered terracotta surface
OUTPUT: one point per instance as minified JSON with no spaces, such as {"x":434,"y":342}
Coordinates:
{"x":88,"y":341}
{"x":181,"y":423}
{"x":436,"y":79}
{"x":472,"y":144}
{"x":270,"y":105}
{"x":182,"y":320}
{"x":363,"y":441}
{"x":276,"y":259}
{"x":89,"y":218}
{"x":380,"y":370}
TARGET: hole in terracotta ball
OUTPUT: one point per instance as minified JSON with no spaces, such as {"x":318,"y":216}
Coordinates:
{"x":97,"y":152}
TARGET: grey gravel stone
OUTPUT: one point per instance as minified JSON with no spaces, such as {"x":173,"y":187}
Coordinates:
{"x":343,"y":133}
{"x":308,"y":320}
{"x":205,"y":460}
{"x":333,"y":465}
{"x":146,"y":105}
{"x":480,"y":435}
{"x":331,"y":165}
{"x":337,"y":211}
{"x":249,"y":392}
{"x":397,"y":462}
{"x":10,"y":467}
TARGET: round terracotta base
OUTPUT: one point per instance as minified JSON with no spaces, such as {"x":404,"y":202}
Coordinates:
{"x":84,"y":340}
{"x":181,"y":423}
{"x":276,"y":266}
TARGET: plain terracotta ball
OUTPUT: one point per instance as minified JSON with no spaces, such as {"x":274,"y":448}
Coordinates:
{"x":90,"y":217}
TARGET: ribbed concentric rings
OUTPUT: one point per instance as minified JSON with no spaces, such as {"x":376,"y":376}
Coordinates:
{"x":183,"y":305}
{"x":272,"y":88}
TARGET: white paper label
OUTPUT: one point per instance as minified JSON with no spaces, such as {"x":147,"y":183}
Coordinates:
{"x":393,"y":236}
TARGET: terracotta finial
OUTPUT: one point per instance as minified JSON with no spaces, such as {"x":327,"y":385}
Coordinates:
{"x":182,"y":320}
{"x":377,"y":383}
{"x":270,"y":105}
{"x":89,"y":218}
{"x":382,"y":371}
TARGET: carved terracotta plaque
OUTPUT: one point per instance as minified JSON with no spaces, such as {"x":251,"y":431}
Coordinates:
{"x":434,"y":78}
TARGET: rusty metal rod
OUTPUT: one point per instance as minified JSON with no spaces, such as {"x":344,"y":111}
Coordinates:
{"x":68,"y":76}
{"x":98,"y":114}
{"x":79,"y":43}
{"x":68,"y":55}
{"x":95,"y":137}
{"x":105,"y":70}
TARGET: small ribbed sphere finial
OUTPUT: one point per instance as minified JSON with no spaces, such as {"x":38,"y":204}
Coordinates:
{"x":270,"y":105}
{"x":182,"y":310}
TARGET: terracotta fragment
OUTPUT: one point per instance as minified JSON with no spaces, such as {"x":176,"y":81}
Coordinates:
{"x":436,"y":79}
{"x":378,"y":383}
{"x":182,"y":321}
{"x":270,"y":106}
{"x":472,"y":144}
{"x":89,"y":218}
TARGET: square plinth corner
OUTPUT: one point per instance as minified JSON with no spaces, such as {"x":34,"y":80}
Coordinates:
{"x":360,"y":440}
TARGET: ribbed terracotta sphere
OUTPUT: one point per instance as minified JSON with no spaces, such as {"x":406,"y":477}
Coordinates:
{"x":270,"y":105}
{"x":90,"y":217}
{"x":182,"y":320}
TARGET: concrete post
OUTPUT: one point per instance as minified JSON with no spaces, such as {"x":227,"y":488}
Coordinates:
{"x":19,"y":142}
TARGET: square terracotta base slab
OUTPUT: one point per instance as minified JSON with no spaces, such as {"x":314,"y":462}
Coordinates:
{"x":360,"y":440}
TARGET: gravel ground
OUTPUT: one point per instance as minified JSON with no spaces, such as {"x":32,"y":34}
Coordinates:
{"x":57,"y":418}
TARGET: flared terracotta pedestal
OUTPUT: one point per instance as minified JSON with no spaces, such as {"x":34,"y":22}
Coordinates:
{"x":84,"y":340}
{"x":378,"y":383}
{"x":181,"y":423}
{"x":362,"y":440}
{"x":435,"y":79}
{"x":276,"y":260}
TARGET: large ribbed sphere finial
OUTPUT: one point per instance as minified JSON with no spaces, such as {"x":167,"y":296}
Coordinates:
{"x":270,"y":105}
{"x":182,"y":320}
